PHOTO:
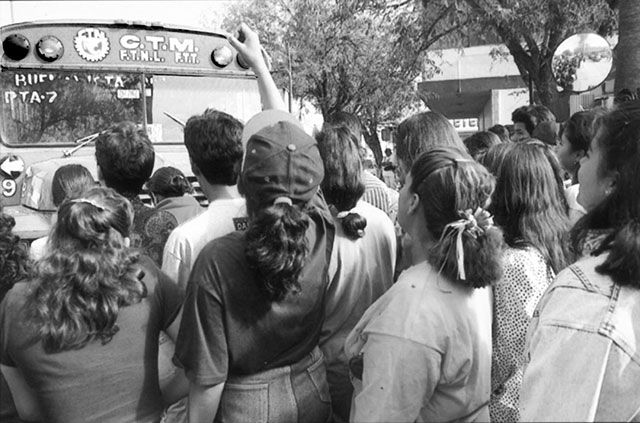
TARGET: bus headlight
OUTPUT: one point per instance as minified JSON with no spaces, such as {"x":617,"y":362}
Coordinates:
{"x":49,"y":48}
{"x":16,"y":47}
{"x":221,"y":56}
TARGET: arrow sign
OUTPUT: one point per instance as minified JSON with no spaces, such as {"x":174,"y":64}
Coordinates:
{"x":12,"y":166}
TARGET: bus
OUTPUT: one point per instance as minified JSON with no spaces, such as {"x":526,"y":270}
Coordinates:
{"x":62,"y":83}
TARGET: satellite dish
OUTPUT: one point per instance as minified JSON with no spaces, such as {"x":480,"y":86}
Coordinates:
{"x":582,"y":62}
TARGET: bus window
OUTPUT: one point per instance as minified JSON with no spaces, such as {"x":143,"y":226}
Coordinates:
{"x":55,"y":107}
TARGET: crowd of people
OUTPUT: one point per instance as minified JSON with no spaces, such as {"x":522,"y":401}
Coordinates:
{"x":500,"y":283}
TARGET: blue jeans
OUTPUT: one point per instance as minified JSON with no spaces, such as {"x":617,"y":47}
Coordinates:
{"x":295,"y":393}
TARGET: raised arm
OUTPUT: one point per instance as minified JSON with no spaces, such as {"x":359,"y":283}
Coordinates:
{"x":252,"y":53}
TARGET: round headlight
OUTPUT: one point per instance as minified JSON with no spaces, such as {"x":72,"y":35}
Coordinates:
{"x":16,"y":47}
{"x":49,"y":48}
{"x":221,"y":56}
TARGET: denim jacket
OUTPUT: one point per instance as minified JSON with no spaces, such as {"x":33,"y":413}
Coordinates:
{"x":582,"y":358}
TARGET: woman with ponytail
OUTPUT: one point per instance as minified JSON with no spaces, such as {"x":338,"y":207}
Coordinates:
{"x":422,"y":352}
{"x":80,"y":341}
{"x":363,"y":260}
{"x":583,"y":339}
{"x":255,"y":299}
{"x":171,"y":191}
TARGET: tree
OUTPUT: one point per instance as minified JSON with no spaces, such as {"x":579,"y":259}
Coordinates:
{"x":533,"y":29}
{"x":627,"y":57}
{"x":360,"y":56}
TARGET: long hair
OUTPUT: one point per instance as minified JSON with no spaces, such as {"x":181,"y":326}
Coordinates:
{"x":529,"y":202}
{"x":479,"y":143}
{"x":14,"y":255}
{"x":417,"y":133}
{"x":448,"y":182}
{"x":276,"y":247}
{"x":342,"y":185}
{"x":618,"y":136}
{"x":88,"y":273}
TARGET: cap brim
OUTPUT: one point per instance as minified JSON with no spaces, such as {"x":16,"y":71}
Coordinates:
{"x":266,"y":119}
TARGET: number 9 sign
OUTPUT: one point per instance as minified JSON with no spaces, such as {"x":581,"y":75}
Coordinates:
{"x":9,"y":187}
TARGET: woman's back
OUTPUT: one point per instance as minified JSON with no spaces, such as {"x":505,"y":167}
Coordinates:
{"x":112,"y":382}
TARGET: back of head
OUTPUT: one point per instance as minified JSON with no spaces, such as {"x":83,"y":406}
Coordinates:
{"x":494,"y":157}
{"x":479,"y":143}
{"x":281,"y":173}
{"x":214,"y":143}
{"x":543,"y":113}
{"x":69,"y":181}
{"x":342,"y":185}
{"x":618,"y":139}
{"x":501,"y":131}
{"x":349,"y":121}
{"x":422,"y":131}
{"x":454,"y":189}
{"x":169,"y":182}
{"x":125,"y":158}
{"x":87,"y":274}
{"x":529,"y":202}
{"x":578,"y":130}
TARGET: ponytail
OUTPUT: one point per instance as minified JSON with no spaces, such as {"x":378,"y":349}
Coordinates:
{"x":469,"y":250}
{"x":277,"y":248}
{"x":353,"y":224}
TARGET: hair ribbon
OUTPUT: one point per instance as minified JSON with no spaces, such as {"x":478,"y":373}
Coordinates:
{"x":283,"y":200}
{"x":472,"y":224}
{"x":88,"y":201}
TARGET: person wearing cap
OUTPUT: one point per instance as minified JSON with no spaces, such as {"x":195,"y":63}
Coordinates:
{"x":170,"y":190}
{"x":254,"y":306}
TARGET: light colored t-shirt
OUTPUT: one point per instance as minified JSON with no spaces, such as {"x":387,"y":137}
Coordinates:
{"x":426,"y":352}
{"x":361,"y":270}
{"x":187,"y":240}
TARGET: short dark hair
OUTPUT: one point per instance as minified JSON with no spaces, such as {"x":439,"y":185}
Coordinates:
{"x":480,"y":142}
{"x":578,"y":130}
{"x":501,"y":131}
{"x":214,"y":142}
{"x":526,"y":115}
{"x":125,"y":157}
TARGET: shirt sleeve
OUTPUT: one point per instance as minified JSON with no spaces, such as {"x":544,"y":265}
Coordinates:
{"x":201,"y":348}
{"x":399,"y":377}
{"x":171,"y":298}
{"x":562,"y":381}
{"x":175,"y":259}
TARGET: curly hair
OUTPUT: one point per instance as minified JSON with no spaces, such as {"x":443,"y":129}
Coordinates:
{"x":214,"y":143}
{"x":618,"y":136}
{"x":125,"y":157}
{"x":277,"y":248}
{"x":15,"y":264}
{"x":88,"y":273}
{"x":342,"y":185}
{"x":529,"y":202}
{"x":447,"y":181}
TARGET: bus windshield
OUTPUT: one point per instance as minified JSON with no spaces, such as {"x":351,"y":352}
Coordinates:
{"x":61,"y":107}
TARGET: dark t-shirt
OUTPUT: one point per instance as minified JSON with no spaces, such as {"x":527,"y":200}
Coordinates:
{"x":115,"y":382}
{"x":151,"y":229}
{"x":229,"y":328}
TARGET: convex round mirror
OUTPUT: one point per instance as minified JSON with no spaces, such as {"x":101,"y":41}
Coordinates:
{"x":582,"y":62}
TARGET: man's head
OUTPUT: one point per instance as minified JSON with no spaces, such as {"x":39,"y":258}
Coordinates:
{"x":125,"y":158}
{"x":214,"y":142}
{"x":524,"y":122}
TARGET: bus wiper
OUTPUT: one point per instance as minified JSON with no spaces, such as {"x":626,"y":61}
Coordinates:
{"x":81,"y":143}
{"x":175,"y":119}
